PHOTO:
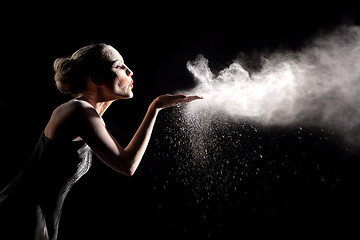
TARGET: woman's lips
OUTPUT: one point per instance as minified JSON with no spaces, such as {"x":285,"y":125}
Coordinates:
{"x":131,"y":83}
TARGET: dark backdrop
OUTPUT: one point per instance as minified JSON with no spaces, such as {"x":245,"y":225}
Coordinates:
{"x":156,"y":40}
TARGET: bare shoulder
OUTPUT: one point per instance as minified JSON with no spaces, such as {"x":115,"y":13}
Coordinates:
{"x":72,"y":108}
{"x":65,"y":118}
{"x":74,"y":104}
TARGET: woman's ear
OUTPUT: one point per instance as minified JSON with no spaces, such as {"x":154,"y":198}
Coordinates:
{"x":97,"y":79}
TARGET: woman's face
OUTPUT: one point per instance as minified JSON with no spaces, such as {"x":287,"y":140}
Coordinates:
{"x":119,"y":82}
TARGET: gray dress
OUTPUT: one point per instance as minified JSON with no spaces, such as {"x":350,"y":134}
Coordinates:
{"x":31,"y":205}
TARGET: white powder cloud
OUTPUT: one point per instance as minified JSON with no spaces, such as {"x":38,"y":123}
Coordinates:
{"x":318,"y":85}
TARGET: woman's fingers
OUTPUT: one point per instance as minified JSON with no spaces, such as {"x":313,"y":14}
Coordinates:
{"x":169,"y":100}
{"x":184,"y":99}
{"x":192,"y":98}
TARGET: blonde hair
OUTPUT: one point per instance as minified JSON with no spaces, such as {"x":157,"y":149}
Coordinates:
{"x":71,"y":72}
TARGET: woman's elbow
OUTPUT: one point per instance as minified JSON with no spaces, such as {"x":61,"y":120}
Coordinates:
{"x":128,"y":171}
{"x":124,"y":166}
{"x":124,"y":170}
{"x":128,"y":174}
{"x":132,"y":170}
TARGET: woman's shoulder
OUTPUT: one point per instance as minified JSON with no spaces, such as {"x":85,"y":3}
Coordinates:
{"x":73,"y":106}
{"x":80,"y":103}
{"x":80,"y":110}
{"x":68,"y":117}
{"x":72,"y":110}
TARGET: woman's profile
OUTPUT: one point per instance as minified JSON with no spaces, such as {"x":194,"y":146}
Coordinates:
{"x":95,"y":75}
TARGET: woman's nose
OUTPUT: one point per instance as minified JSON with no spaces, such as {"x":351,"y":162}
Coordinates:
{"x":129,"y":72}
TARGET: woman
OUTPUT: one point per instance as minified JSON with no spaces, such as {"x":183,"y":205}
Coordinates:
{"x":95,"y":76}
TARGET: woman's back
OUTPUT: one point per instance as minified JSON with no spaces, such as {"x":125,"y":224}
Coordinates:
{"x":64,"y":120}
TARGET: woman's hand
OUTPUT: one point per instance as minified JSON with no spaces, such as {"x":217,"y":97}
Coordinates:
{"x":169,"y":100}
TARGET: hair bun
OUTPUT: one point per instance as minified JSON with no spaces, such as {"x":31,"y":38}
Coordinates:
{"x":71,"y":72}
{"x":64,"y":74}
{"x":63,"y":65}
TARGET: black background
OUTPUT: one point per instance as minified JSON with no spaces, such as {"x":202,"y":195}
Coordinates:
{"x":318,"y":188}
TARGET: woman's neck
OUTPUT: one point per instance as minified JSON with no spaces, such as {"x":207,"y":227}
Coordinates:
{"x":100,"y":106}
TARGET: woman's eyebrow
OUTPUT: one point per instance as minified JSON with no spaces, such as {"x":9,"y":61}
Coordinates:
{"x":116,"y":61}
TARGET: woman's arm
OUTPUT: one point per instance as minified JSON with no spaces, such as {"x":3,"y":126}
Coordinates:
{"x":138,"y":144}
{"x":108,"y":149}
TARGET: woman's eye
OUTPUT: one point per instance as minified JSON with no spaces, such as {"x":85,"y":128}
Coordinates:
{"x":125,"y":68}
